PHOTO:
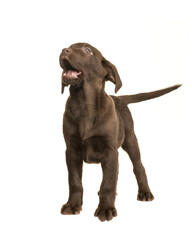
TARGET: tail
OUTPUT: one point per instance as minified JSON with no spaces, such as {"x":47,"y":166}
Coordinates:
{"x":127,"y":99}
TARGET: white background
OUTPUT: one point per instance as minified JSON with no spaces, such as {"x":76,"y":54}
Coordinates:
{"x":150,"y":44}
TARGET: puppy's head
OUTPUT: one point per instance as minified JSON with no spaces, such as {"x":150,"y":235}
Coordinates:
{"x":81,"y":63}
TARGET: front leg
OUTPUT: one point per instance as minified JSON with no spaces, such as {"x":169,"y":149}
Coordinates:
{"x":74,"y":165}
{"x":106,"y":209}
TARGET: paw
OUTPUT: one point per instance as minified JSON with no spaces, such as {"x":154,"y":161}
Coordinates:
{"x":105,"y":213}
{"x":68,"y":209}
{"x":145,"y":196}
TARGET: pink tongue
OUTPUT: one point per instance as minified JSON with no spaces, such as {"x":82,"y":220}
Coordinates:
{"x":72,"y":74}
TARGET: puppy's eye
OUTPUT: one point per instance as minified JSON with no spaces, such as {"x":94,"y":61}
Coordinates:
{"x":88,"y":50}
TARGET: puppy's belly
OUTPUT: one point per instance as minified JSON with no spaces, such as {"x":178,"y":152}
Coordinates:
{"x":91,"y":159}
{"x":93,"y":150}
{"x":91,"y":156}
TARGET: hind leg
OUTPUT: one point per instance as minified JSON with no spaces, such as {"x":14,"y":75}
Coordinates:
{"x":130,"y":145}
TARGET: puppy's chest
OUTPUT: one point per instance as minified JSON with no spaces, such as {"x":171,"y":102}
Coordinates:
{"x":93,"y":146}
{"x":86,"y":122}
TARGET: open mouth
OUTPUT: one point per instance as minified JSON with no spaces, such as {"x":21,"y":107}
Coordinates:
{"x":70,"y":72}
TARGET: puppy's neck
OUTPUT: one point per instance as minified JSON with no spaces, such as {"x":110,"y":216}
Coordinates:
{"x":92,"y":97}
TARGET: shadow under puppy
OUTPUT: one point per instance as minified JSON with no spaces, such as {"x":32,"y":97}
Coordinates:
{"x":95,"y":125}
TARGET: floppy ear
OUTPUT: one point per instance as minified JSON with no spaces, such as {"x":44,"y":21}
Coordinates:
{"x":62,"y":84}
{"x":62,"y":87}
{"x":112,"y":74}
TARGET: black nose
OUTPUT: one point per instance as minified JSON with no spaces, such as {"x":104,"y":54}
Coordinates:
{"x":66,"y":51}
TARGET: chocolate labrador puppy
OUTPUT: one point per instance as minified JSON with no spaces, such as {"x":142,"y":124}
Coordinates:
{"x":95,"y":125}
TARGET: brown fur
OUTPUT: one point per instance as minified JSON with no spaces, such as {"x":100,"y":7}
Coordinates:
{"x":95,"y":125}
